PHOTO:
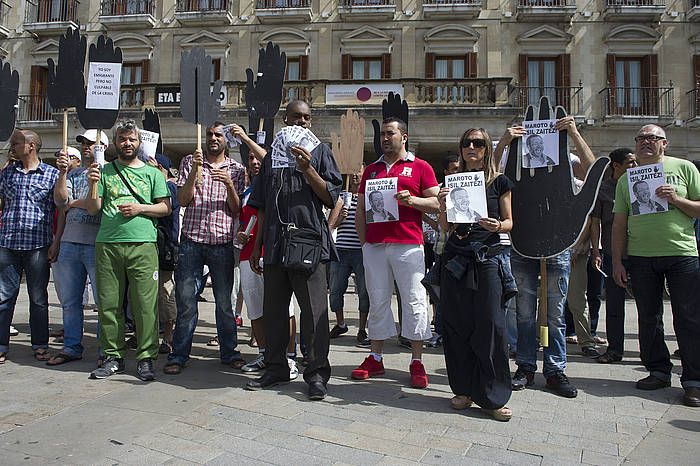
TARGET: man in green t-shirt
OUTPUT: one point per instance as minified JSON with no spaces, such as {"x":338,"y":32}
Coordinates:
{"x":130,"y":194}
{"x":661,"y":245}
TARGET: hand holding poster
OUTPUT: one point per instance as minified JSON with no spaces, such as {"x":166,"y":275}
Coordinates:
{"x":231,"y":140}
{"x":380,"y":200}
{"x":149,"y":143}
{"x":540,"y":144}
{"x":642,"y":183}
{"x":466,"y":202}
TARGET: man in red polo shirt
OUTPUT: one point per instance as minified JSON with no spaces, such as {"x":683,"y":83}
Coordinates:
{"x":392,"y":251}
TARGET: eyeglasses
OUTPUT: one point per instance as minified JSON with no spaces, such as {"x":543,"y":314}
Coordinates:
{"x":648,"y":138}
{"x":478,"y":143}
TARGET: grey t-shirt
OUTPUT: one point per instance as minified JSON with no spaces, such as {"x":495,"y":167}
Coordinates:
{"x":81,"y":227}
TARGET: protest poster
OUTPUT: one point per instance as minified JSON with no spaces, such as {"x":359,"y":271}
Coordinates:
{"x":540,"y":144}
{"x":231,"y":140}
{"x":288,"y":137}
{"x":103,"y":84}
{"x":642,"y":183}
{"x":149,"y":143}
{"x":99,"y":154}
{"x":466,"y":202}
{"x":380,"y":200}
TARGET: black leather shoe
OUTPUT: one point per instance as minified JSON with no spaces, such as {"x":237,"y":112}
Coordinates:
{"x":317,"y":391}
{"x":522,"y":379}
{"x":651,"y":382}
{"x":692,"y":397}
{"x":266,"y":381}
{"x":559,"y":384}
{"x":145,"y":371}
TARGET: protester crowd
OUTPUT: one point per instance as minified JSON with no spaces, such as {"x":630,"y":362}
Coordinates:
{"x":142,"y":233}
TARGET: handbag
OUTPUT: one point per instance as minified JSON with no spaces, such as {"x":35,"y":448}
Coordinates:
{"x":167,"y":248}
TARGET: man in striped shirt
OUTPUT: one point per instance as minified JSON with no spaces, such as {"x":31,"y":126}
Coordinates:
{"x":349,"y":248}
{"x":208,"y":230}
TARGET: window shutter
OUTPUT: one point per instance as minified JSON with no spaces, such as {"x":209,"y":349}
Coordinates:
{"x":696,"y":70}
{"x":610,"y":59}
{"x":522,"y":70}
{"x":429,"y":66}
{"x":346,"y":68}
{"x":145,"y":68}
{"x":651,"y":63}
{"x":470,"y":65}
{"x":304,"y":67}
{"x":386,"y":66}
{"x":563,"y":78}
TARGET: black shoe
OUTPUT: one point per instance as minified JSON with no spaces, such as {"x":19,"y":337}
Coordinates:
{"x":201,"y":299}
{"x":652,"y":382}
{"x":317,"y":391}
{"x":692,"y":397}
{"x":362,"y":340}
{"x":131,"y":342}
{"x":522,"y":379}
{"x":677,"y":354}
{"x":559,"y":384}
{"x":109,"y":367}
{"x":405,"y":342}
{"x":590,"y":352}
{"x":337,"y":330}
{"x":609,"y":357}
{"x":266,"y":381}
{"x":144,"y":369}
{"x":164,"y":348}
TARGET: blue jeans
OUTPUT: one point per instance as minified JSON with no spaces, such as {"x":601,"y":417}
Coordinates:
{"x":75,"y":263}
{"x":526,"y":272}
{"x":13,"y":264}
{"x":681,"y":274}
{"x":221,"y":260}
{"x":350,"y":262}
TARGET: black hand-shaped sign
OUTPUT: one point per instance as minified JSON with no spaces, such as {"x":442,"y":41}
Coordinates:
{"x":66,"y":81}
{"x":151,"y":122}
{"x":198,"y":104}
{"x":91,"y":118}
{"x":392,"y":106}
{"x":263,"y":96}
{"x":547,"y":216}
{"x":9,"y":89}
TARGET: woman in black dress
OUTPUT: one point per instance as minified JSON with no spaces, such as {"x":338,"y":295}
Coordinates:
{"x":471,"y":290}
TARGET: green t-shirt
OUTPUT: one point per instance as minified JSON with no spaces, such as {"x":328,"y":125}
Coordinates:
{"x":149,"y":183}
{"x":668,"y":233}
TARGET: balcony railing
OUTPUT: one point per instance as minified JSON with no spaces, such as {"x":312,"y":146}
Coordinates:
{"x":452,"y":8}
{"x":132,"y":96}
{"x":694,"y":103}
{"x":127,"y":7}
{"x":569,"y":97}
{"x":34,"y":107}
{"x":654,"y":102}
{"x":352,"y":3}
{"x":693,"y":13}
{"x":452,"y":2}
{"x":4,"y":11}
{"x":51,"y":11}
{"x":188,"y":6}
{"x":635,"y":3}
{"x":269,"y":4}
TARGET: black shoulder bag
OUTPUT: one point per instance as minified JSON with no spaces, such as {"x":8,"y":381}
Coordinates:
{"x":167,"y":248}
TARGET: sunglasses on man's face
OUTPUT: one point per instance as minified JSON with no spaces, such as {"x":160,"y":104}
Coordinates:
{"x":648,"y":138}
{"x":478,"y":143}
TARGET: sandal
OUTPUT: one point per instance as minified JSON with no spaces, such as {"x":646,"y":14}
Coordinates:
{"x":460,"y":402}
{"x":213,"y":341}
{"x":609,"y":357}
{"x":600,"y":340}
{"x":3,"y":358}
{"x":237,"y":364}
{"x":62,"y":358}
{"x":172,"y":368}
{"x":41,"y":354}
{"x":501,"y":414}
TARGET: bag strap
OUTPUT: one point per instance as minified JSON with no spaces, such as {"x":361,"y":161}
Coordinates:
{"x":127,"y":184}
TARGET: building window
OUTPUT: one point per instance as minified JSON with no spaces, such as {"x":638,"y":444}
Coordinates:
{"x":634,"y":85}
{"x":297,"y":70}
{"x":37,"y":106}
{"x":366,"y":68}
{"x":545,"y":76}
{"x":133,"y":73}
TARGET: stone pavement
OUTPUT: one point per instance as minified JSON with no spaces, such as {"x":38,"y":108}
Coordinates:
{"x":59,"y":416}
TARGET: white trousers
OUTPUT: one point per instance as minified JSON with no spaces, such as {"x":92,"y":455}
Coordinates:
{"x":403,"y":264}
{"x":253,"y":288}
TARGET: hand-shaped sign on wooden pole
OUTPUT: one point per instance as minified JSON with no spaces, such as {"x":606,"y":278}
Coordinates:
{"x":264,"y":96}
{"x":151,"y":122}
{"x":348,"y":149}
{"x":199,"y":103}
{"x":548,"y":216}
{"x":392,"y":106}
{"x":66,"y":80}
{"x":9,"y":90}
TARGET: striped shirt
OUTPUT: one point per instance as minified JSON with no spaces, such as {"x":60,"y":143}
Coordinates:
{"x":347,"y":235}
{"x":27,"y":217}
{"x":208,"y":219}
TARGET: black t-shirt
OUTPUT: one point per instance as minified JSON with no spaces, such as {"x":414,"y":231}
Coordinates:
{"x":494,"y":191}
{"x":286,"y":197}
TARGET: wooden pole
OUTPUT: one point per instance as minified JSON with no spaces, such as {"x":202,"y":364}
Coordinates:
{"x":542,"y":316}
{"x":93,"y":187}
{"x":65,"y":130}
{"x":199,"y":147}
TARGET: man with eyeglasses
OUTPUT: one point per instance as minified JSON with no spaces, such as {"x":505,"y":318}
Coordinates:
{"x":130,"y":196}
{"x":661,"y":246}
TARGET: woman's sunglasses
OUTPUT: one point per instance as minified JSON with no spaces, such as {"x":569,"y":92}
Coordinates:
{"x":478,"y":143}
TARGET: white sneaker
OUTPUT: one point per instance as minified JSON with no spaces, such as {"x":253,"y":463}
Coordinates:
{"x":13,"y":331}
{"x":293,"y":371}
{"x":256,"y":365}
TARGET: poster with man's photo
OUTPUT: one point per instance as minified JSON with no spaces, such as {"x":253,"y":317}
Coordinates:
{"x":642,"y":183}
{"x":466,"y":202}
{"x":540,"y":144}
{"x":380,"y":200}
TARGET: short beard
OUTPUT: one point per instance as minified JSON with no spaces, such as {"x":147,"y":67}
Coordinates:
{"x":123,"y":156}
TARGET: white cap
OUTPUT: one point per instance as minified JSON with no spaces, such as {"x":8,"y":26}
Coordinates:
{"x":91,"y":135}
{"x":73,"y":152}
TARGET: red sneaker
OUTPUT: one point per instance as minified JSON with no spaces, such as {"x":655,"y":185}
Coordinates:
{"x":419,"y":379}
{"x":369,"y":368}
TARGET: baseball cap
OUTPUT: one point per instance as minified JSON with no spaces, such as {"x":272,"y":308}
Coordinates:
{"x":72,"y":152}
{"x":91,"y":135}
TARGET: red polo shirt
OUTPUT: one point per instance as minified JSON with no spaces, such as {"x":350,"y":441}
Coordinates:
{"x":415,"y":175}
